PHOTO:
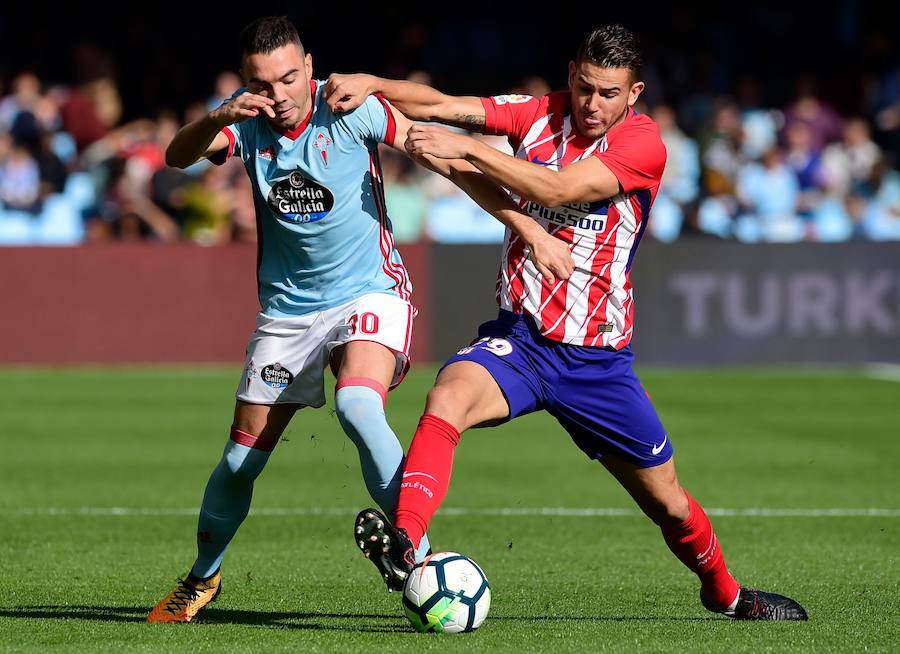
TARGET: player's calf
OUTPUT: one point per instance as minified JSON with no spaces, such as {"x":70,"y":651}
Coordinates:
{"x":359,"y":404}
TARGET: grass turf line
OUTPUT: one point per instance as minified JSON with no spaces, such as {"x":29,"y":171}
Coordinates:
{"x":148,"y":439}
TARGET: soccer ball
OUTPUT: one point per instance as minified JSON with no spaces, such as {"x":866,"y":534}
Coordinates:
{"x":448,"y":592}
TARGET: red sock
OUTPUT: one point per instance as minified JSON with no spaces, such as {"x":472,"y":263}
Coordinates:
{"x":426,"y":475}
{"x":695,"y":544}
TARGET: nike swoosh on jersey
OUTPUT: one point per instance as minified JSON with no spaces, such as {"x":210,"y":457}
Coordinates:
{"x":421,"y":474}
{"x":656,"y":449}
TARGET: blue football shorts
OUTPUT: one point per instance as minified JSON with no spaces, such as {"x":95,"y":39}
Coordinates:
{"x":591,"y":391}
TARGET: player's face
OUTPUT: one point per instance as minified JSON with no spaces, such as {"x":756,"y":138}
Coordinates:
{"x":600,"y":96}
{"x":282,"y":75}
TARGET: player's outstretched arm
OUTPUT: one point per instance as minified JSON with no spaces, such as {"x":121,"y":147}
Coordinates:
{"x":203,"y":137}
{"x":550,"y":255}
{"x":584,"y":181}
{"x":416,"y":101}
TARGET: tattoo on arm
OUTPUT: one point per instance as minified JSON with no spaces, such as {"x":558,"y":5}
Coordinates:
{"x":471,"y":122}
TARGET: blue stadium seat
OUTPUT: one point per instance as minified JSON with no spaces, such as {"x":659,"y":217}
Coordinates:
{"x":747,"y":228}
{"x":666,"y":219}
{"x":831,"y":222}
{"x":80,"y":191}
{"x":16,"y":227}
{"x":59,"y":223}
{"x":783,"y":228}
{"x":713,"y":218}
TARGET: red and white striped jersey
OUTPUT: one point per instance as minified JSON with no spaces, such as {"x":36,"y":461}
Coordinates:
{"x":595,"y":306}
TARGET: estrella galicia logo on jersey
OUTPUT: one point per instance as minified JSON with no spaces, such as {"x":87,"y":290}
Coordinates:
{"x":276,"y":376}
{"x":298,"y":199}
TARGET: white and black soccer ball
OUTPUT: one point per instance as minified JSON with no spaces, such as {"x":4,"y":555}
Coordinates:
{"x":448,"y":593}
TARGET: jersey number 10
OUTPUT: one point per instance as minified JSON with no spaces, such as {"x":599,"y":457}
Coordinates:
{"x":366,"y":323}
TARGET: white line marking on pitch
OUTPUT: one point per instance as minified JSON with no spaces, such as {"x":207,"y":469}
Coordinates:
{"x":883,"y":371}
{"x":601,"y":512}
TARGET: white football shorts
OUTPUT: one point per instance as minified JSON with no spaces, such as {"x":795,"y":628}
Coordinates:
{"x":287,"y":357}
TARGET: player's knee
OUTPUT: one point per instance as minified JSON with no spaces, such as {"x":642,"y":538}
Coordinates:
{"x":351,"y":411}
{"x":358,"y":414}
{"x":243,"y":464}
{"x":447,"y":401}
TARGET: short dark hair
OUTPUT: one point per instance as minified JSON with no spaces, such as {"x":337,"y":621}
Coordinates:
{"x":266,"y":34}
{"x":612,"y":46}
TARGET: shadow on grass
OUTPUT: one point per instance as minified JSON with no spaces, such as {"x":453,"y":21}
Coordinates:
{"x":367,"y":622}
{"x":363,"y":622}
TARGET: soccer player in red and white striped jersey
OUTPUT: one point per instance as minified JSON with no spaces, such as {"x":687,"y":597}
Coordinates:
{"x":594,"y":306}
{"x":587,"y":168}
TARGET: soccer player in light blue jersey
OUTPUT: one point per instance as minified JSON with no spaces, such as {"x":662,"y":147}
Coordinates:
{"x":333,"y":290}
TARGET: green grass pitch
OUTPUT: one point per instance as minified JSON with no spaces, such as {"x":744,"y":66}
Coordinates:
{"x":76,"y":575}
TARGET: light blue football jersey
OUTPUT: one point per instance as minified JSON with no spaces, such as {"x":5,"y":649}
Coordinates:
{"x":322,"y":226}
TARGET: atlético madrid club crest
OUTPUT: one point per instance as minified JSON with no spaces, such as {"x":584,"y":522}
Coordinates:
{"x":321,"y":144}
{"x":512,"y":99}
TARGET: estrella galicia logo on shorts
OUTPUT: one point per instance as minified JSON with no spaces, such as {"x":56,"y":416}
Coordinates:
{"x":276,"y":376}
{"x":298,"y":199}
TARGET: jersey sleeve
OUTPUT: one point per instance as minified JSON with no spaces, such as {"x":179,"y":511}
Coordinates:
{"x":636,"y":156}
{"x":372,"y":122}
{"x":509,"y":115}
{"x":233,"y":132}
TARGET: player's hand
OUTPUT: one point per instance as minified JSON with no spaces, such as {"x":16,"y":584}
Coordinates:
{"x":438,"y":142}
{"x":246,"y":105}
{"x":550,"y":255}
{"x":346,"y":92}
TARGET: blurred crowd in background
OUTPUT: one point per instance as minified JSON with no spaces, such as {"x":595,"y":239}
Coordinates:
{"x":72,"y":171}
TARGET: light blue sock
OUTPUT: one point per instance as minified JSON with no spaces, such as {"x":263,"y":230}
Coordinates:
{"x":226,"y":503}
{"x":361,"y":412}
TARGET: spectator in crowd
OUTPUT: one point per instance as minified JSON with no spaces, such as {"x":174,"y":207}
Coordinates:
{"x":129,"y":156}
{"x":759,"y":125}
{"x":207,"y":207}
{"x":453,"y":217}
{"x":53,"y":171}
{"x":720,"y":146}
{"x":680,"y":186}
{"x":25,"y":96}
{"x":882,"y":220}
{"x":806,"y":161}
{"x":532,"y":85}
{"x":19,"y":177}
{"x":227,"y":82}
{"x":885,"y":108}
{"x":720,"y":158}
{"x":768,"y":192}
{"x":405,"y":197}
{"x":848,"y":164}
{"x":823,"y":122}
{"x":738,"y":168}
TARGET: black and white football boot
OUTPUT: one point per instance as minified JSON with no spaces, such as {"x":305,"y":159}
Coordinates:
{"x":386,"y":546}
{"x":755,"y":604}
